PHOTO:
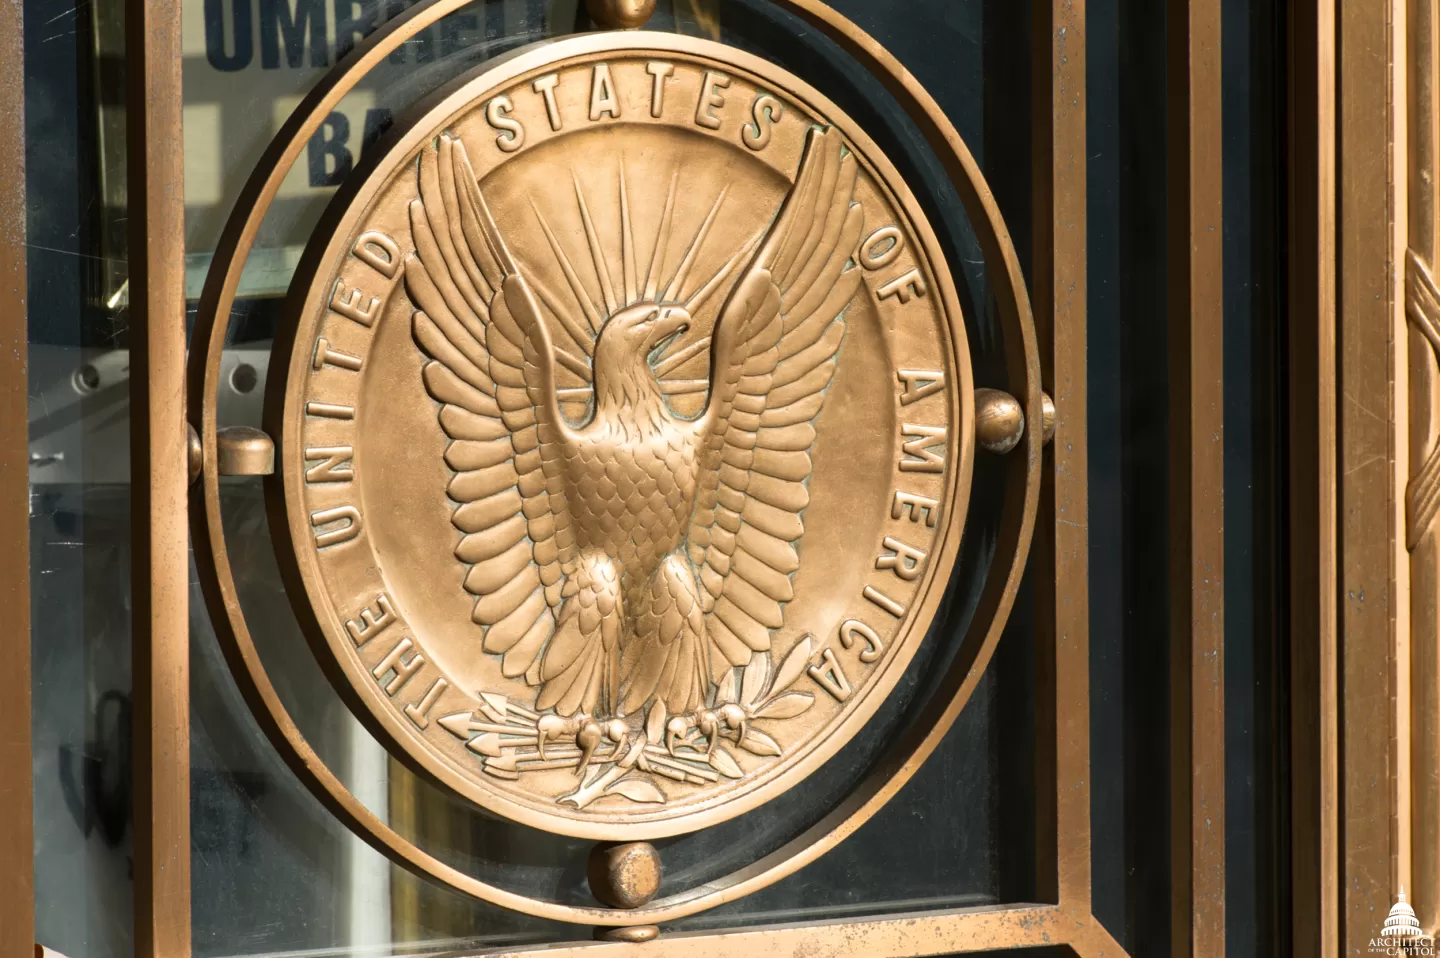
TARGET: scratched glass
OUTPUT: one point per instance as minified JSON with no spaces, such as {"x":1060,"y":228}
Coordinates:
{"x":79,"y":483}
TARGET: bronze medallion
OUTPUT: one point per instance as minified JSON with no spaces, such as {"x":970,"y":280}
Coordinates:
{"x":624,"y":432}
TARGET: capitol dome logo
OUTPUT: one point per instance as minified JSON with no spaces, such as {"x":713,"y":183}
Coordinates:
{"x":1401,"y":934}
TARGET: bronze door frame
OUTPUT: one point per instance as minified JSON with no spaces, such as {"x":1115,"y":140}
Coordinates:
{"x":1347,"y":301}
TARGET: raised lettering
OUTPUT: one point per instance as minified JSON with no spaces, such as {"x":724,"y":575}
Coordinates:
{"x":905,"y":561}
{"x":710,"y":98}
{"x":325,"y":410}
{"x":660,"y":72}
{"x":852,"y":629}
{"x":904,"y":288}
{"x":338,"y":464}
{"x":370,"y":623}
{"x":907,"y":502}
{"x":602,"y":93}
{"x":512,"y":135}
{"x":880,"y":248}
{"x":830,"y":676}
{"x":379,"y":251}
{"x":917,"y":442}
{"x":766,"y":111}
{"x":545,"y":86}
{"x":347,"y":302}
{"x":397,"y":663}
{"x":419,"y":712}
{"x":325,"y":356}
{"x":344,"y":522}
{"x":919,"y":383}
{"x":884,"y":601}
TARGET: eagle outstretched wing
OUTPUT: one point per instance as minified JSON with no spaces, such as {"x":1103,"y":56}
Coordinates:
{"x":492,"y":369}
{"x":772,"y":359}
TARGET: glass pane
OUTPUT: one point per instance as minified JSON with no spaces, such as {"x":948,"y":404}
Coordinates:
{"x":1129,"y":472}
{"x":79,"y":480}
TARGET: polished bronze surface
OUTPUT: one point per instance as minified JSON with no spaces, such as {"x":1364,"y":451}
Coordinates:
{"x":1422,"y":443}
{"x":954,"y":687}
{"x":625,"y":875}
{"x":194,"y":452}
{"x":987,"y":929}
{"x":1197,"y":478}
{"x":17,"y":842}
{"x":600,"y":521}
{"x":620,"y":14}
{"x":159,"y":464}
{"x":999,"y":421}
{"x":244,"y":451}
{"x":1374,"y":785}
{"x":1060,"y":563}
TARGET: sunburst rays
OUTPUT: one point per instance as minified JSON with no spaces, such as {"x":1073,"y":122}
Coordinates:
{"x":627,"y":286}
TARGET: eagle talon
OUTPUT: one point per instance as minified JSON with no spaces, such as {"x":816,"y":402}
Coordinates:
{"x":588,"y":738}
{"x":618,"y":732}
{"x":709,"y":725}
{"x":733,"y":718}
{"x":592,"y":733}
{"x":677,"y":730}
{"x":727,"y":721}
{"x":551,"y":727}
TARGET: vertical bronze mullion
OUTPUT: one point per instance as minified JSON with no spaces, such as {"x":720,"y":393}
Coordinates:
{"x":1422,"y":531}
{"x":1062,"y":541}
{"x":17,"y":848}
{"x":1311,"y":420}
{"x":1366,"y":331}
{"x":1197,"y":513}
{"x":159,"y":478}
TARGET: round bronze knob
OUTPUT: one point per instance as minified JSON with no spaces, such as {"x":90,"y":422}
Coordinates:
{"x":620,"y":14}
{"x":244,"y":451}
{"x":194,"y":451}
{"x":624,"y":876}
{"x":999,"y":420}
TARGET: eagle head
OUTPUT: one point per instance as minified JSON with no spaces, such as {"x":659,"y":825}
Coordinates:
{"x":630,"y":342}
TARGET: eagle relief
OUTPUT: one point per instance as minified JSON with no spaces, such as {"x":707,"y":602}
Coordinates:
{"x":625,"y":437}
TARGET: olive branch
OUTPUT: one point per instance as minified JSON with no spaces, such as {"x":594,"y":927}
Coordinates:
{"x":510,"y":740}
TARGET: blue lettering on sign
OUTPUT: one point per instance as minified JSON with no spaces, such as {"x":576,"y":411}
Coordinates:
{"x":354,"y":21}
{"x":292,"y":19}
{"x":242,"y":47}
{"x":328,"y":153}
{"x":294,"y":34}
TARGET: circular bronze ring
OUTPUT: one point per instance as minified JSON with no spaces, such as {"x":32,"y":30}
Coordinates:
{"x":1017,"y":521}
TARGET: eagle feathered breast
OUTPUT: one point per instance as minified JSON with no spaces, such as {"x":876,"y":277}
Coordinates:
{"x":639,"y":555}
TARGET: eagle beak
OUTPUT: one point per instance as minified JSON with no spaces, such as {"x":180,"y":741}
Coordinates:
{"x":670,"y":324}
